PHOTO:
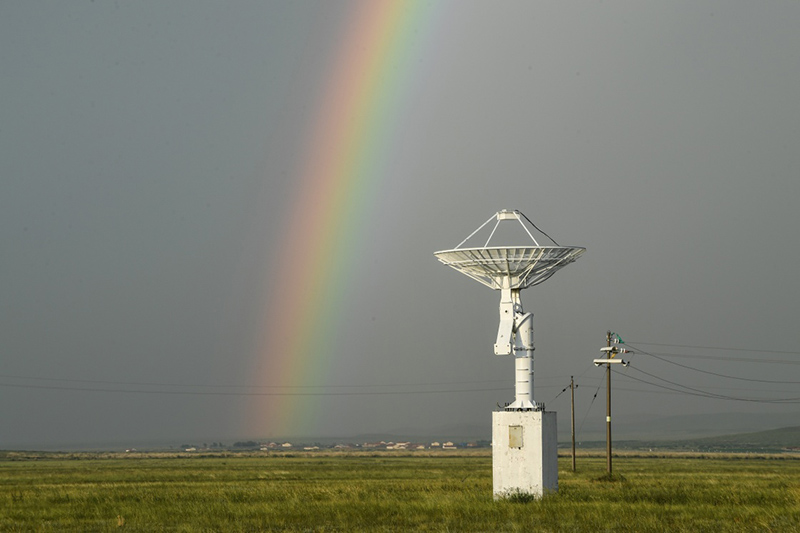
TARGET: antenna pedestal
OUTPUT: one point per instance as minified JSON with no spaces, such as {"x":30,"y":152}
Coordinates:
{"x":524,"y":453}
{"x":515,"y":336}
{"x":524,"y":387}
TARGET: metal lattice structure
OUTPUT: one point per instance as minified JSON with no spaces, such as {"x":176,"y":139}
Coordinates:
{"x":512,"y":268}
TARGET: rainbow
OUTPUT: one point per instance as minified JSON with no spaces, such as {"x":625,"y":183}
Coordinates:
{"x":359,"y":109}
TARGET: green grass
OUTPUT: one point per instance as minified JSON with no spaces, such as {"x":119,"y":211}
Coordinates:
{"x":386,"y":492}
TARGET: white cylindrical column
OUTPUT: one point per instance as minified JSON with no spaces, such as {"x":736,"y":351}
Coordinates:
{"x":524,"y":382}
{"x":523,"y":350}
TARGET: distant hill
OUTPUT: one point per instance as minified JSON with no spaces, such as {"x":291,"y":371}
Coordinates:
{"x":677,"y":427}
{"x":785,"y":438}
{"x":770,"y":441}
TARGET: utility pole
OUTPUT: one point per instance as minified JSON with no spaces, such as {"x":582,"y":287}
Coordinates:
{"x":609,"y":355}
{"x":572,"y":393}
{"x":611,"y":352}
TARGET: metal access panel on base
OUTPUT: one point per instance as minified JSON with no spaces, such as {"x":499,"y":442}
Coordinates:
{"x":524,"y":453}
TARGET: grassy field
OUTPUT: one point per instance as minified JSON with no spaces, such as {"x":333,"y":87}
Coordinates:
{"x":389,"y":492}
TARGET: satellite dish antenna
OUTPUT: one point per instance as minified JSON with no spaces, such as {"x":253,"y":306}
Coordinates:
{"x":510,"y":269}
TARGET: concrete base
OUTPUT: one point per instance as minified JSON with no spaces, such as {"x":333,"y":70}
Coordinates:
{"x":524,"y":453}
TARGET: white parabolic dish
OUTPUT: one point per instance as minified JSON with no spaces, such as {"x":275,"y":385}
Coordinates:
{"x":510,"y":267}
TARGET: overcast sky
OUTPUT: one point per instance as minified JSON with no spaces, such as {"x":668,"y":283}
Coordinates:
{"x":148,"y":158}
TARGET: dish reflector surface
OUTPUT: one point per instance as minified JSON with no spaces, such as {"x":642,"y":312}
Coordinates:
{"x":516,"y":267}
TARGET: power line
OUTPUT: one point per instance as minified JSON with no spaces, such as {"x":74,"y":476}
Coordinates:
{"x":565,"y":389}
{"x":768,"y":390}
{"x":713,"y":348}
{"x":590,"y":406}
{"x":217,"y":393}
{"x":625,"y":389}
{"x":678,"y":391}
{"x":732,"y":359}
{"x":214,"y":386}
{"x":679,"y":385}
{"x":699,"y":392}
{"x":639,"y":350}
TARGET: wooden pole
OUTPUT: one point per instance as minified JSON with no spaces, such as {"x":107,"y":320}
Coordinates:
{"x":608,"y":404}
{"x":572,"y":393}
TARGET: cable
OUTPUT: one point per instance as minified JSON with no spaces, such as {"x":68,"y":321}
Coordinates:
{"x":590,"y":407}
{"x":190,"y":385}
{"x":639,"y":350}
{"x":540,"y":231}
{"x":738,"y":389}
{"x":733,"y":359}
{"x":200,"y":393}
{"x":679,"y":391}
{"x":677,"y":384}
{"x":713,"y":348}
{"x":559,"y":394}
{"x":700,"y":392}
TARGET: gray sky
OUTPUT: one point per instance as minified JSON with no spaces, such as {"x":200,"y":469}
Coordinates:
{"x":148,"y":158}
